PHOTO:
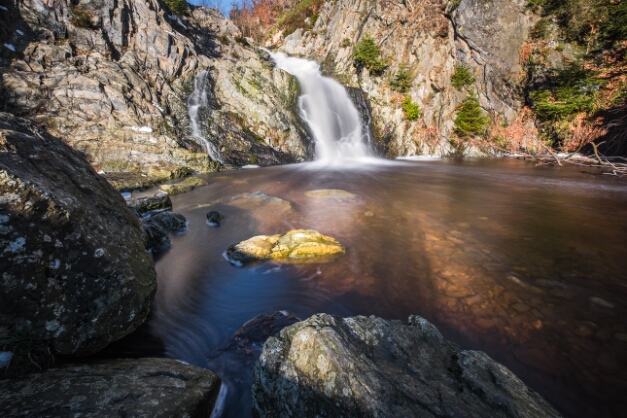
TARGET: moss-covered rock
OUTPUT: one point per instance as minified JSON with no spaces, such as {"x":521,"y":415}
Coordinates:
{"x":295,"y":246}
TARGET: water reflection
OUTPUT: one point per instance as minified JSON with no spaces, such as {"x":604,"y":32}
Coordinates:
{"x":524,"y":263}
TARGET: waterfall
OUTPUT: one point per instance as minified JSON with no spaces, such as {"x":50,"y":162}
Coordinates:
{"x":328,"y":110}
{"x":195,"y":101}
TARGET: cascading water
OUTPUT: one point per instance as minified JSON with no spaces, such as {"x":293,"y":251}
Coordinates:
{"x":195,"y":101}
{"x":328,"y":110}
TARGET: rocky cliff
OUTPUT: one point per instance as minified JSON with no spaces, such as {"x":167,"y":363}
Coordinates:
{"x":112,"y":78}
{"x":422,"y":44}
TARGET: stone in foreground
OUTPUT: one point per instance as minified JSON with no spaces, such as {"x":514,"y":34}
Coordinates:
{"x":214,"y":218}
{"x":297,"y":246}
{"x":145,"y":387}
{"x":75,"y":272}
{"x":328,"y":366}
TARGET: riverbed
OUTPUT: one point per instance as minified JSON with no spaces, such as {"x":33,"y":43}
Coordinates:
{"x":525,"y":263}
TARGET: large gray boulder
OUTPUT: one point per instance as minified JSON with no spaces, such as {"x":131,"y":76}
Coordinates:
{"x":74,"y":270}
{"x":113,"y":388}
{"x":328,"y":366}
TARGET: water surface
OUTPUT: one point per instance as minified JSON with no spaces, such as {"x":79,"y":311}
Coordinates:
{"x":524,"y":263}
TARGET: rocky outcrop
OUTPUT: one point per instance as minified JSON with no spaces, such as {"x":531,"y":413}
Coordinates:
{"x":297,"y":246}
{"x":112,"y":78}
{"x":75,"y":272}
{"x":328,"y":366}
{"x":145,"y":387}
{"x":426,"y":40}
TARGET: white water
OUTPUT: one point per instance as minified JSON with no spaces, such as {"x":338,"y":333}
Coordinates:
{"x":329,"y":112}
{"x":195,"y":101}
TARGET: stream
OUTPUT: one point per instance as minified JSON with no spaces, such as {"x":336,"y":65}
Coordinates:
{"x":524,"y":263}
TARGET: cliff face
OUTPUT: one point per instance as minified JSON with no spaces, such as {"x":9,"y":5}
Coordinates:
{"x":429,"y":40}
{"x":112,"y":78}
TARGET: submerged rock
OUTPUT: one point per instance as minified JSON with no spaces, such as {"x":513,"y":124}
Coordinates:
{"x":261,"y":327}
{"x":184,"y":186}
{"x":327,"y":366}
{"x":255,"y":200}
{"x":147,"y":204}
{"x":146,"y":387}
{"x":332,"y":193}
{"x":214,"y":218}
{"x":75,"y":272}
{"x":296,"y":245}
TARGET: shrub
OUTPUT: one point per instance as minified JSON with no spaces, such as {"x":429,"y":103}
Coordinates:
{"x":574,"y":90}
{"x":540,"y":29}
{"x":178,"y":7}
{"x":81,"y":18}
{"x":367,"y":55}
{"x":345,"y":43}
{"x":411,"y":109}
{"x":402,"y":80}
{"x":462,"y":77}
{"x":471,"y":119}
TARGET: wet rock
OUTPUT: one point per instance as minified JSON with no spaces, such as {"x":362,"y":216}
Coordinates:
{"x":75,"y":270}
{"x":255,"y":200}
{"x":147,"y":204}
{"x":214,"y":218}
{"x":296,"y":245}
{"x":331,"y":193}
{"x":327,"y":366}
{"x":146,"y":387}
{"x":170,"y":221}
{"x":261,"y":327}
{"x":184,"y":186}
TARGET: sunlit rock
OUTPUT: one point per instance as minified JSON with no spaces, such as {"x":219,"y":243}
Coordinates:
{"x":327,"y":366}
{"x":184,"y":186}
{"x":296,"y":246}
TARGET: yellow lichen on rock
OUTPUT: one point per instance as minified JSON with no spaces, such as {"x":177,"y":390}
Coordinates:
{"x":294,"y":245}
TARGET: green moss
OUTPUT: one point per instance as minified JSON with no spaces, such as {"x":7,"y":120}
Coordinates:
{"x":345,"y":43}
{"x":411,"y":109}
{"x":540,"y":29}
{"x":471,"y":120}
{"x":368,"y":55}
{"x":462,"y":77}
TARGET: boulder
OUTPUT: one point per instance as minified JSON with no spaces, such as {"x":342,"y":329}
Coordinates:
{"x":297,"y":246}
{"x":184,"y":186}
{"x":75,"y":272}
{"x":214,"y":218}
{"x":170,"y":221}
{"x":147,"y":204}
{"x":327,"y":366}
{"x":144,"y":387}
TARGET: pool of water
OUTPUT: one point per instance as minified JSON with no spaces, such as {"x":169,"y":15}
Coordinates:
{"x":525,"y":263}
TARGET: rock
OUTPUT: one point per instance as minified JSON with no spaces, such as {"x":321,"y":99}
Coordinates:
{"x":184,"y":186}
{"x":297,"y":246}
{"x":170,"y":221}
{"x":255,"y":200}
{"x":214,"y":218}
{"x":84,"y":70}
{"x":146,"y":387}
{"x":261,"y":327}
{"x":331,"y":193}
{"x":327,"y":366}
{"x":147,"y":204}
{"x":75,"y":270}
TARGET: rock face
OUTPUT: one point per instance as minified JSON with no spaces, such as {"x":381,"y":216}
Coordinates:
{"x":122,"y":387}
{"x":296,"y":245}
{"x":427,"y":40}
{"x":75,"y":271}
{"x":113,"y":78}
{"x":327,"y":366}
